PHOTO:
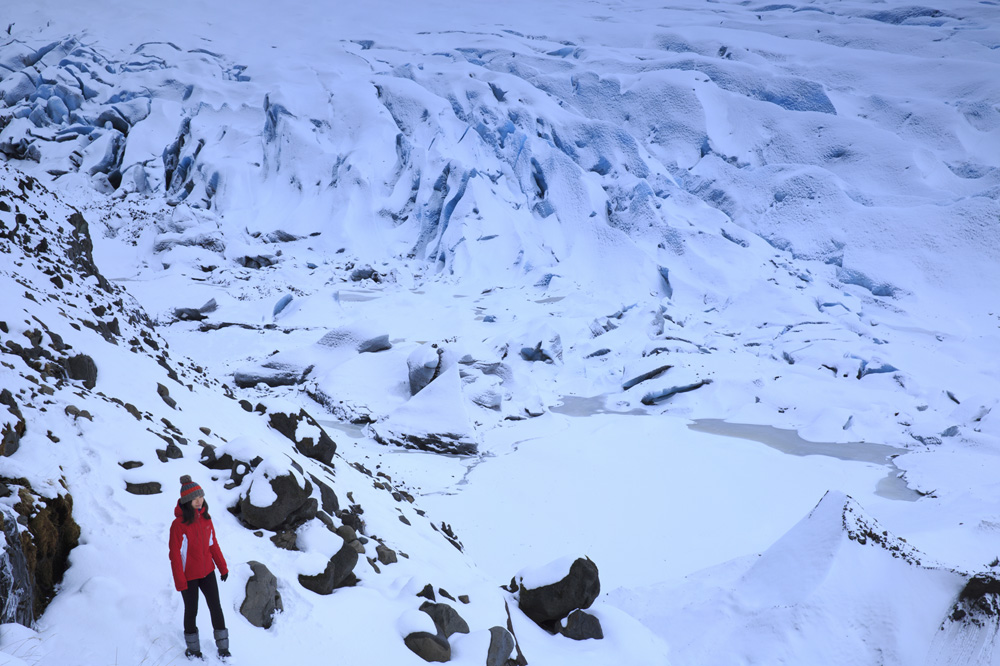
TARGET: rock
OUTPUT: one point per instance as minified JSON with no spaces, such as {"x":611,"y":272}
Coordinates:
{"x":262,"y":599}
{"x":83,"y":368}
{"x":14,"y":428}
{"x":292,"y":505}
{"x":365,"y":272}
{"x":581,"y":626}
{"x":286,"y":540}
{"x":548,"y":604}
{"x":446,"y":619}
{"x":148,"y":488}
{"x":385,"y":554}
{"x":979,"y":601}
{"x":428,"y":647}
{"x":328,"y":498}
{"x":501,"y":647}
{"x":279,"y":236}
{"x":337,"y":572}
{"x":164,"y":393}
{"x":258,"y":261}
{"x":196,"y":314}
{"x":347,"y":533}
{"x":310,"y":439}
{"x":53,"y":534}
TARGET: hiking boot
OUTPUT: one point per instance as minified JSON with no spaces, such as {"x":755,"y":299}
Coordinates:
{"x":193,"y":650}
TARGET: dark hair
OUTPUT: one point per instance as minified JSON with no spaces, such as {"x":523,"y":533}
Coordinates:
{"x":187,"y":512}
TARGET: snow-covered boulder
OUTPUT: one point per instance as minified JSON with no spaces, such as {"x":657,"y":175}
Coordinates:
{"x":550,"y":593}
{"x":277,"y":499}
{"x":309,"y":437}
{"x":337,"y":573}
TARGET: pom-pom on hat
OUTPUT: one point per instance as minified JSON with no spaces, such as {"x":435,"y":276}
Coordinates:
{"x":190,"y":489}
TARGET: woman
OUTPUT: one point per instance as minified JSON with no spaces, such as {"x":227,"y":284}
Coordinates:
{"x":194,"y":554}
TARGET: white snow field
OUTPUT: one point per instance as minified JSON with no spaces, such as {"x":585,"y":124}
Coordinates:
{"x":704,"y":291}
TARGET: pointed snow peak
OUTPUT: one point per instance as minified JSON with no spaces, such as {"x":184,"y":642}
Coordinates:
{"x":865,"y":530}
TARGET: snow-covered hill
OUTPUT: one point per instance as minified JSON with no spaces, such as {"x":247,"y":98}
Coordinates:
{"x":504,"y":260}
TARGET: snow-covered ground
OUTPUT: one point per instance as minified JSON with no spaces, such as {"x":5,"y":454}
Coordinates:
{"x":711,"y":290}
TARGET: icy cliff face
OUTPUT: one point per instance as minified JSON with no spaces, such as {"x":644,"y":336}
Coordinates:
{"x":695,"y":177}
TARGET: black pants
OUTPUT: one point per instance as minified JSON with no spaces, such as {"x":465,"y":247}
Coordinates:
{"x":209,"y":586}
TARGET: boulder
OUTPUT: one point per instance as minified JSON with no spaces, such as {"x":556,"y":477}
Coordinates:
{"x":446,"y":619}
{"x":385,"y":554}
{"x":581,"y":625}
{"x":277,"y":502}
{"x":547,"y":604}
{"x":148,"y":488}
{"x":262,"y":599}
{"x":336,"y":574}
{"x":501,"y":647}
{"x":428,"y":647}
{"x":365,"y":272}
{"x":14,"y":426}
{"x":309,"y":437}
{"x":83,"y":368}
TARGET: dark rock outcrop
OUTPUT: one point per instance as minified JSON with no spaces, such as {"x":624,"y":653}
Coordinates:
{"x":262,"y":599}
{"x":12,"y":431}
{"x":16,"y":582}
{"x":979,"y":601}
{"x":316,"y":445}
{"x":46,"y":544}
{"x":82,"y":367}
{"x":549,"y":604}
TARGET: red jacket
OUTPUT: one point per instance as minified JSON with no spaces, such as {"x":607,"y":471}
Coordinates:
{"x":194,"y":550}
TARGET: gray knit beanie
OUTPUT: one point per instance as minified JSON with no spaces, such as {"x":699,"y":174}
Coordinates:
{"x":190,"y":489}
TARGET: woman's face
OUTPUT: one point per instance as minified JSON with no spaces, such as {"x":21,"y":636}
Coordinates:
{"x":197,"y":503}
